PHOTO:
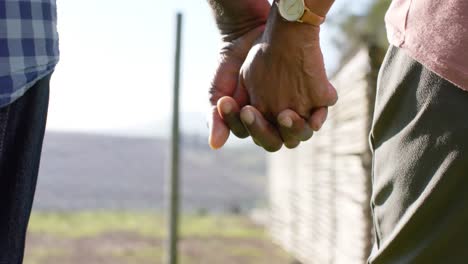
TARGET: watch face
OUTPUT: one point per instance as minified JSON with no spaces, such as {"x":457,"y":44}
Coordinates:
{"x":291,"y":10}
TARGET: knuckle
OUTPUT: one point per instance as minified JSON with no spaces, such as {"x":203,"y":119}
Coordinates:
{"x":214,"y":94}
{"x":333,"y":98}
{"x":330,"y":97}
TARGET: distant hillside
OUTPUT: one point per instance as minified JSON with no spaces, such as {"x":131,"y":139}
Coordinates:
{"x":80,"y":171}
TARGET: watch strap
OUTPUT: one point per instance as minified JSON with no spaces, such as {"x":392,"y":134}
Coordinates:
{"x":311,"y":18}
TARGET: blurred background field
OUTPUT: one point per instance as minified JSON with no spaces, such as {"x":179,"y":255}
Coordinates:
{"x":100,"y":199}
{"x":94,"y":172}
{"x":135,"y":237}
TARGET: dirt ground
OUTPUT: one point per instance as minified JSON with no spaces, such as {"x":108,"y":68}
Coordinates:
{"x":126,"y":248}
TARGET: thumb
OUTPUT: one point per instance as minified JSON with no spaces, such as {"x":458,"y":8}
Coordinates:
{"x":219,"y":132}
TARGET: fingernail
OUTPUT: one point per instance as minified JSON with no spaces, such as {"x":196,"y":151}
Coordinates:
{"x":248,"y":117}
{"x":209,"y":125}
{"x":212,"y":143}
{"x":227,"y":108}
{"x":286,"y":121}
{"x":210,"y":137}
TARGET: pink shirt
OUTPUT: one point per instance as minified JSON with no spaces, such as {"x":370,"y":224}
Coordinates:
{"x":433,"y":32}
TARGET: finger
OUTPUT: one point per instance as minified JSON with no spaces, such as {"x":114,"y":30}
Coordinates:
{"x":318,"y":118}
{"x":230,"y":112}
{"x":292,"y":143}
{"x":219,"y":132}
{"x":256,"y":142}
{"x":241,"y":96}
{"x":286,"y":125}
{"x":260,"y":129}
{"x":293,"y":127}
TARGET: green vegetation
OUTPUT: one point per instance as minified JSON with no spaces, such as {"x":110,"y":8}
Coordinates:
{"x":370,"y":26}
{"x":366,"y":29}
{"x":39,"y":255}
{"x":120,"y":238}
{"x":138,"y":255}
{"x":89,"y":224}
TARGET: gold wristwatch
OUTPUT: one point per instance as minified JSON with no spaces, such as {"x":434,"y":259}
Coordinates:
{"x":297,"y":11}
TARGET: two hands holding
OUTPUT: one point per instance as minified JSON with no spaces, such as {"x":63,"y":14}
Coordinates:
{"x":271,"y":82}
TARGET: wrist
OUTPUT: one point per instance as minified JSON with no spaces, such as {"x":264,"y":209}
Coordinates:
{"x":279,"y":32}
{"x":316,"y":10}
{"x":235,"y":18}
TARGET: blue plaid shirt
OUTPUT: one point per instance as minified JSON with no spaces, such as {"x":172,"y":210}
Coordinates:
{"x":28,"y":45}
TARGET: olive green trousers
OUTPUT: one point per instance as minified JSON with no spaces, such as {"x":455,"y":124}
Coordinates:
{"x":420,"y":170}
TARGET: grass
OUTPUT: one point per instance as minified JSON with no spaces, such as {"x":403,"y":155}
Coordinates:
{"x":138,"y":255}
{"x":90,"y":224}
{"x":40,"y":255}
{"x":120,"y":238}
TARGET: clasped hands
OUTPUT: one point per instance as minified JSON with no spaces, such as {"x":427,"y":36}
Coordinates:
{"x":271,"y":82}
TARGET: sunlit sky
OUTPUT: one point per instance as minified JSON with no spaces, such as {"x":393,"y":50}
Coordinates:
{"x":116,"y":68}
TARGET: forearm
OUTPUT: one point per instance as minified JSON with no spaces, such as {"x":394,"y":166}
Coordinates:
{"x":236,"y":17}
